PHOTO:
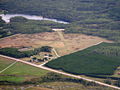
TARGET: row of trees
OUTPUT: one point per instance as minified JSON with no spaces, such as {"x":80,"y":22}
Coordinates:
{"x":111,"y":82}
{"x":109,"y":51}
{"x":14,"y":52}
{"x":4,"y":31}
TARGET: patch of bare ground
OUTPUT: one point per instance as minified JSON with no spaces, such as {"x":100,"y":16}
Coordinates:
{"x":71,"y":42}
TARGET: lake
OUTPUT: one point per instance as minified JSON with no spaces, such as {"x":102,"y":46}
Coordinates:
{"x":7,"y":17}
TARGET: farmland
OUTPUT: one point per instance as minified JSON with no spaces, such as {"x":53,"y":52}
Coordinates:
{"x":19,"y":72}
{"x":89,"y":46}
{"x":53,"y":39}
{"x":4,"y":63}
{"x":89,"y":61}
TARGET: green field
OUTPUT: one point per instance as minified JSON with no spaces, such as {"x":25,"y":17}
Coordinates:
{"x":102,"y":59}
{"x":19,"y":72}
{"x":4,"y":63}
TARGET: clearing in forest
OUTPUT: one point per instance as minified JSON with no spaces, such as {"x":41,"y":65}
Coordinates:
{"x":63,"y":43}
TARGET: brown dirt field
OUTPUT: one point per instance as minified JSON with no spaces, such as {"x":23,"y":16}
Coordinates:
{"x":71,"y":42}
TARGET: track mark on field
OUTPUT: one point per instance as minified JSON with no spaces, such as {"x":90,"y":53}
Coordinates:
{"x":8,"y":66}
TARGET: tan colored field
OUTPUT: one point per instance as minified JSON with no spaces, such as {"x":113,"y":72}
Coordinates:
{"x":63,"y":43}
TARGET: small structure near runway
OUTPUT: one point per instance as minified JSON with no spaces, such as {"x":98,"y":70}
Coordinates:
{"x":56,"y":29}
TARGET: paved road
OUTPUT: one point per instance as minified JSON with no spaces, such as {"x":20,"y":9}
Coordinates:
{"x":60,"y":72}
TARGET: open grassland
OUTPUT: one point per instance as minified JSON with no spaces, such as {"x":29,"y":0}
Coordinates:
{"x":66,"y":86}
{"x":58,"y":86}
{"x":23,"y":69}
{"x":72,"y":86}
{"x":90,"y":61}
{"x":63,"y":43}
{"x":19,"y":72}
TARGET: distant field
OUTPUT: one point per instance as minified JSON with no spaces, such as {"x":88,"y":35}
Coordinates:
{"x":63,"y":43}
{"x":19,"y":72}
{"x":96,"y":60}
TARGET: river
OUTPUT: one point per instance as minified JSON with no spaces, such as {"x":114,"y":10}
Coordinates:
{"x":7,"y":17}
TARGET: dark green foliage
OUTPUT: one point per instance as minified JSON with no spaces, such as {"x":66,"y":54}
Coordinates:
{"x":89,"y":62}
{"x":101,"y":32}
{"x":2,"y":23}
{"x":27,"y":28}
{"x":109,"y":50}
{"x":13,"y":52}
{"x":4,"y":31}
{"x":108,"y":81}
{"x":18,"y":19}
{"x":46,"y":49}
{"x":117,"y":83}
{"x":67,"y":10}
{"x":22,"y":25}
{"x":114,"y":12}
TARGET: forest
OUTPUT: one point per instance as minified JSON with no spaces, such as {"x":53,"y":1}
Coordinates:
{"x":102,"y":59}
{"x":91,"y":17}
{"x":25,"y":26}
{"x":14,"y":52}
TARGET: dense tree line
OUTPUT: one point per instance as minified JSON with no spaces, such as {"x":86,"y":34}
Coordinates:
{"x":14,"y":52}
{"x":112,"y":50}
{"x":4,"y":32}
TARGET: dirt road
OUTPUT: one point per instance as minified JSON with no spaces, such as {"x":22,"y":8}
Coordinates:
{"x":60,"y":72}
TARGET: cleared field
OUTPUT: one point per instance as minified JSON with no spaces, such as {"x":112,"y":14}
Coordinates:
{"x":90,"y":61}
{"x":70,"y":43}
{"x":19,"y":72}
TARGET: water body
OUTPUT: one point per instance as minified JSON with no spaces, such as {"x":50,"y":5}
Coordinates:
{"x":7,"y":17}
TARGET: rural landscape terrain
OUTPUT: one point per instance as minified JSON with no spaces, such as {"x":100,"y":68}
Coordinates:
{"x":59,"y":45}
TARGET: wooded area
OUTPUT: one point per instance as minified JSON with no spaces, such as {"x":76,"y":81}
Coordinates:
{"x":102,"y":59}
{"x":14,"y":52}
{"x":92,"y":17}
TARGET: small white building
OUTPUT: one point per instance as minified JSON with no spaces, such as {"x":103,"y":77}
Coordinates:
{"x":56,"y":29}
